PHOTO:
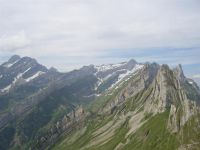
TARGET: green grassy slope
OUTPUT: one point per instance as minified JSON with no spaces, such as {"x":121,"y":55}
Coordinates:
{"x":153,"y":135}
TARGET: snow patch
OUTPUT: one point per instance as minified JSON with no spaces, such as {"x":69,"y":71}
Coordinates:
{"x":128,"y":73}
{"x":96,"y":95}
{"x":190,"y":82}
{"x":26,"y":70}
{"x":8,"y":65}
{"x":103,"y":68}
{"x":123,"y":76}
{"x":34,"y":76}
{"x":7,"y":88}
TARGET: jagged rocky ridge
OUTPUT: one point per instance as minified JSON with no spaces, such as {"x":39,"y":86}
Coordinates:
{"x":152,"y":110}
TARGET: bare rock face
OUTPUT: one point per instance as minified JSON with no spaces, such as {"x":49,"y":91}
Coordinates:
{"x":139,"y":83}
{"x":180,"y":115}
{"x":178,"y":71}
{"x":168,"y":92}
{"x":184,"y":108}
{"x":69,"y":122}
{"x":172,"y":122}
{"x":158,"y":100}
{"x":164,"y":90}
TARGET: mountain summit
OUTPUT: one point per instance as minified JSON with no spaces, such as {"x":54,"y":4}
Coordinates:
{"x":17,"y":71}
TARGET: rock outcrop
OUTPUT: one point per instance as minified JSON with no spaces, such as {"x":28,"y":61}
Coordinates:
{"x":165,"y":91}
{"x":71,"y":121}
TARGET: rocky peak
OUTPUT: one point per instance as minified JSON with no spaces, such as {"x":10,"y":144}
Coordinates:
{"x":159,"y":98}
{"x":130,"y":64}
{"x":17,"y":71}
{"x":52,"y":69}
{"x":168,"y":92}
{"x":178,"y":71}
{"x":152,"y":68}
{"x":29,"y":61}
{"x":88,"y":69}
{"x":132,"y":61}
{"x":14,"y":58}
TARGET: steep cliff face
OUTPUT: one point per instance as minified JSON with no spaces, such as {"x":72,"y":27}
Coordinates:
{"x":71,"y":121}
{"x":151,"y":110}
{"x":138,"y":82}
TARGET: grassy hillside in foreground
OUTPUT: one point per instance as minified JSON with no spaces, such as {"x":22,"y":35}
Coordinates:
{"x":153,"y":135}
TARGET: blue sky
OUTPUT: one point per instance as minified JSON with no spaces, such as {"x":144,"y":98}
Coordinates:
{"x":67,"y":34}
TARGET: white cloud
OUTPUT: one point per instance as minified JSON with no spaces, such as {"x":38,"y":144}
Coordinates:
{"x":94,"y":25}
{"x":14,"y":42}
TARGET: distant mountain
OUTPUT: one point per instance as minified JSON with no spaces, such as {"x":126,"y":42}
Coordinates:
{"x":18,"y":70}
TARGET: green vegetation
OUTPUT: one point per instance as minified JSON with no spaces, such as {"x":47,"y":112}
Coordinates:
{"x":92,"y":125}
{"x":190,"y":133}
{"x":115,"y":140}
{"x":153,"y":135}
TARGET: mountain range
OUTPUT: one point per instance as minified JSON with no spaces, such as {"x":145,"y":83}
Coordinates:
{"x":122,"y":106}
